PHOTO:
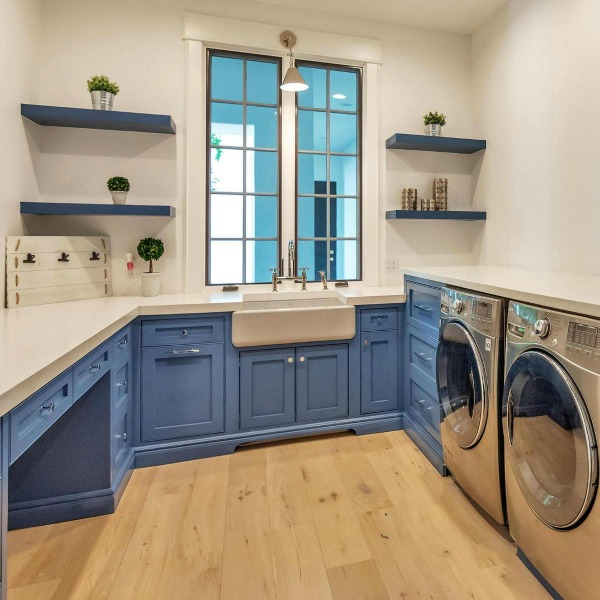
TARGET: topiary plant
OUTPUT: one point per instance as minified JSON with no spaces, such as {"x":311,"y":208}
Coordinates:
{"x":150,"y":249}
{"x":101,"y":83}
{"x":118,"y":184}
{"x":434,"y":118}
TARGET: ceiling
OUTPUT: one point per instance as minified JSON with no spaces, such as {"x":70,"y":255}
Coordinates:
{"x":460,"y":16}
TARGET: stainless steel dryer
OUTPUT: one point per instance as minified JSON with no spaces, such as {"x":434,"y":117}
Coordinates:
{"x":469,"y":377}
{"x":551,"y":408}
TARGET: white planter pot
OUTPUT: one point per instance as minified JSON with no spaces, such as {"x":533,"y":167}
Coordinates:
{"x":150,"y":284}
{"x":102,"y":100}
{"x":119,"y":197}
{"x":433,"y":130}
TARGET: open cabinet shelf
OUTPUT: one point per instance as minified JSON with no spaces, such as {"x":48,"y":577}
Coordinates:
{"x":63,"y":208}
{"x":431,"y":215}
{"x":426,"y":143}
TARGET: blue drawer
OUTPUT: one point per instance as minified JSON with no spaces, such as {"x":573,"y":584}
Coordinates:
{"x":122,"y":343}
{"x":170,"y":332}
{"x":421,"y":354}
{"x":32,"y":418}
{"x":425,"y":407}
{"x":378,"y":319}
{"x":423,"y":307}
{"x":92,"y":367}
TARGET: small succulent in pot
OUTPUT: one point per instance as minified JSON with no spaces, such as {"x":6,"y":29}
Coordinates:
{"x":118,"y":188}
{"x":434,"y":122}
{"x":150,"y":249}
{"x":103,"y":92}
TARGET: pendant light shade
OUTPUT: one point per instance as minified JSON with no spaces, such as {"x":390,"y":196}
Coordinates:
{"x":293,"y":80}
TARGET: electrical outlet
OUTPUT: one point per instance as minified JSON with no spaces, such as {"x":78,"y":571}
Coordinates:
{"x":391,"y":264}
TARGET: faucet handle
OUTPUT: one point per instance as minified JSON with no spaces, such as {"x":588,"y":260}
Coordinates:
{"x":304,"y":269}
{"x":275,"y":270}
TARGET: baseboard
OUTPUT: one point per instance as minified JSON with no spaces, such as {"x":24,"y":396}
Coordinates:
{"x":543,"y":581}
{"x":426,"y":444}
{"x":72,"y":507}
{"x":182,"y":451}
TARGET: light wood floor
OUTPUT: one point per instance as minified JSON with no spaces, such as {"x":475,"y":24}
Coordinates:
{"x":341,"y":517}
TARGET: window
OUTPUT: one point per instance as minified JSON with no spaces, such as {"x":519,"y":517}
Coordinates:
{"x":328,"y":171}
{"x":243,"y":206}
{"x":244,"y":189}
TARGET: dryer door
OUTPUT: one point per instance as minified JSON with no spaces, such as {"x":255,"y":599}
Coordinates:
{"x":550,"y":440}
{"x":461,"y":385}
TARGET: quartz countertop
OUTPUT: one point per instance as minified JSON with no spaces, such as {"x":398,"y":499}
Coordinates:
{"x":37,"y":343}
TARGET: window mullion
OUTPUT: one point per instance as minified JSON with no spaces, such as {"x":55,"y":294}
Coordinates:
{"x":288,"y":173}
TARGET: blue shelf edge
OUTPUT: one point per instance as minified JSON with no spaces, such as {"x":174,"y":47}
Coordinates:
{"x":63,"y":208}
{"x":426,"y":143}
{"x":431,"y":215}
{"x":87,"y":118}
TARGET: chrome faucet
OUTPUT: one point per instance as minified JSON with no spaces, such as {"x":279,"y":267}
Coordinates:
{"x":323,"y":279}
{"x":274,"y":279}
{"x":291,"y":260}
{"x":303,"y":278}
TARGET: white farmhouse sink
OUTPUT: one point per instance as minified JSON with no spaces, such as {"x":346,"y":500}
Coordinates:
{"x":292,"y":317}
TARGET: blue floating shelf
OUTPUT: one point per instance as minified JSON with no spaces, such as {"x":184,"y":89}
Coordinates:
{"x":86,"y":118}
{"x":426,"y":143}
{"x":431,"y":215}
{"x":63,"y":208}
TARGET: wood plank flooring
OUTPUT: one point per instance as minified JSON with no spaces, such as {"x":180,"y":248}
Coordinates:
{"x":340,"y":517}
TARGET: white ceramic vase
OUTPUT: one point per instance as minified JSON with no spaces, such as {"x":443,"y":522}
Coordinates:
{"x":150,"y":284}
{"x":119,"y":197}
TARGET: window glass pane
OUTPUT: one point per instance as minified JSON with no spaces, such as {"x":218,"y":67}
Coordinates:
{"x":261,"y":172}
{"x":343,"y":83}
{"x":343,"y":176}
{"x":342,"y":217}
{"x":226,"y":216}
{"x":261,"y":216}
{"x":316,"y":94}
{"x":342,"y":136}
{"x":343,"y":259}
{"x":261,"y":82}
{"x":312,"y":217}
{"x":312,"y":254}
{"x":226,"y":262}
{"x":312,"y":130}
{"x":227,"y":78}
{"x":226,"y":128}
{"x":226,"y":170}
{"x":312,"y":174}
{"x":260,"y":257}
{"x":261,"y":127}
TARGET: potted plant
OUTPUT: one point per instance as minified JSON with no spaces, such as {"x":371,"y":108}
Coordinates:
{"x":118,"y":188}
{"x":150,"y":249}
{"x":434,"y":122}
{"x":103,"y":92}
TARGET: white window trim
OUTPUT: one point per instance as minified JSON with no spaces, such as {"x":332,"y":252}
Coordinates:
{"x":203,"y":32}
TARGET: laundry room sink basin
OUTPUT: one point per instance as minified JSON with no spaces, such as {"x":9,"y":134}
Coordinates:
{"x":291,"y":318}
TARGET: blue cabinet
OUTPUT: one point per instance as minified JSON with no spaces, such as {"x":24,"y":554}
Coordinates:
{"x":267,"y":388}
{"x":321,"y":382}
{"x":379,"y":371}
{"x":183,"y":391}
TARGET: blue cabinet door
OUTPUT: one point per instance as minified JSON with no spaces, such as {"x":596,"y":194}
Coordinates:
{"x":183,"y":389}
{"x":121,"y":381}
{"x":321,"y":382}
{"x":267,"y":380}
{"x":379,"y":371}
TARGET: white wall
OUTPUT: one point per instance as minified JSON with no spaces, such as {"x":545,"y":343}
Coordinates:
{"x":536,"y":79}
{"x":20,"y":31}
{"x":138,"y":44}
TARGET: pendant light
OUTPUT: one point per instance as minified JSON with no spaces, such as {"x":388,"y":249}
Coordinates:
{"x":293,"y":81}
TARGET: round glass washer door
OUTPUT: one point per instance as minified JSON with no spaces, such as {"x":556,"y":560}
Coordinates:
{"x":550,"y":440}
{"x":461,"y":385}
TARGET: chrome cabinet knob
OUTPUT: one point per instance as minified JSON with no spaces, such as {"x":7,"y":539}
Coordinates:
{"x":95,"y":368}
{"x":457,"y":305}
{"x":366,"y":343}
{"x":542,"y":327}
{"x":47,"y":409}
{"x":122,"y":437}
{"x":184,"y":332}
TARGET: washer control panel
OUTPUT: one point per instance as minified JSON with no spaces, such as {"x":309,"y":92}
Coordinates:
{"x":483,"y":313}
{"x":576,"y":338}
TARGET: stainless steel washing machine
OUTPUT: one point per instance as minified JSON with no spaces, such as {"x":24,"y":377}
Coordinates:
{"x":551,"y":409}
{"x":469,"y":378}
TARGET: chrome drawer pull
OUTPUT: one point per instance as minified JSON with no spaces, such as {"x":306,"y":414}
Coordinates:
{"x":429,"y":408}
{"x":122,"y":437}
{"x":95,"y":368}
{"x":122,"y":343}
{"x":421,"y":401}
{"x":423,"y":356}
{"x":423,"y":307}
{"x":191,"y":351}
{"x":46,"y":410}
{"x":124,"y":385}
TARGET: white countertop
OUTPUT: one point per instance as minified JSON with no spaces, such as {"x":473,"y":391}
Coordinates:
{"x":37,"y":343}
{"x":572,"y":292}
